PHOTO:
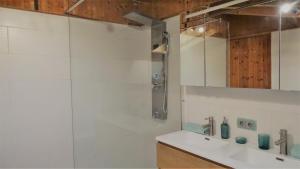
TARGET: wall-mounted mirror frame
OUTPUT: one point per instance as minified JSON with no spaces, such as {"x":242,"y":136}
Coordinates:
{"x":263,"y":48}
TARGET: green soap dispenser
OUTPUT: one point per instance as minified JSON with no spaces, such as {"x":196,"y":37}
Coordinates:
{"x":225,"y":129}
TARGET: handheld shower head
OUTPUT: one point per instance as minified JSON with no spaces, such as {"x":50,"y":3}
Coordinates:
{"x":164,"y":47}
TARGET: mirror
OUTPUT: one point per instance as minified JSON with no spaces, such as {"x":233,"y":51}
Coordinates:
{"x":216,"y":40}
{"x":240,"y":47}
{"x":253,"y":45}
{"x":289,"y":46}
{"x":192,"y":57}
{"x":253,"y":60}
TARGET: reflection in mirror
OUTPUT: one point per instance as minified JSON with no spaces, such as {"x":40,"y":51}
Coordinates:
{"x":192,"y":57}
{"x":290,"y":49}
{"x":253,"y":53}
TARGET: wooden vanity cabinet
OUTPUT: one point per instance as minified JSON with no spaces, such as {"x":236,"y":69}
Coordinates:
{"x":171,"y":157}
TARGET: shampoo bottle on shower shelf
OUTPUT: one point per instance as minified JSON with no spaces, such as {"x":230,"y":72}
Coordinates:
{"x":225,"y":129}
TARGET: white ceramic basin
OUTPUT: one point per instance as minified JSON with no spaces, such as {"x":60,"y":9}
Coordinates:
{"x":227,"y":153}
{"x":197,"y":141}
{"x":205,"y":143}
{"x":261,"y":159}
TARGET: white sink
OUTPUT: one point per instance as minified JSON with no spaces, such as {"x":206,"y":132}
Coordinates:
{"x":227,"y":153}
{"x":198,"y":141}
{"x":261,"y":159}
{"x":206,"y":143}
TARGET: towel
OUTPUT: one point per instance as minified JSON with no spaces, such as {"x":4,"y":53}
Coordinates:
{"x":295,"y":151}
{"x":196,"y":128}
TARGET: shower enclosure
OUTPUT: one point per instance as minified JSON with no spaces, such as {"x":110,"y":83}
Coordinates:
{"x":112,"y":76}
{"x":160,"y":39}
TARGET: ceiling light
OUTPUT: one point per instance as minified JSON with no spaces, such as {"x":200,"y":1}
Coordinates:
{"x":285,"y":8}
{"x":191,"y":29}
{"x":200,"y":29}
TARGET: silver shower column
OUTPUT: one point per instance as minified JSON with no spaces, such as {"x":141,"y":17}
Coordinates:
{"x":160,"y":53}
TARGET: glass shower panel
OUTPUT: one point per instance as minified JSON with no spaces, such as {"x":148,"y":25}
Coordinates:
{"x":111,"y":94}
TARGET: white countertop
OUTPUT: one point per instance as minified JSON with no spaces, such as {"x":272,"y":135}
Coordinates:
{"x":227,"y":153}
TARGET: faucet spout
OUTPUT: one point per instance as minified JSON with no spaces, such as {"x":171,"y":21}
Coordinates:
{"x":210,"y":124}
{"x":282,"y":142}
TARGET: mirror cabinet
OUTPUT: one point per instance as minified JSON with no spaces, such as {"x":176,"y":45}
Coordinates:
{"x":252,"y":47}
{"x":289,"y":52}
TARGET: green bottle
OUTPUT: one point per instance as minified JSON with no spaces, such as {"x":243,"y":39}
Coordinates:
{"x":225,"y":129}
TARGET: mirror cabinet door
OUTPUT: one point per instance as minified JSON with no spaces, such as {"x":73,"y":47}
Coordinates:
{"x":192,"y":57}
{"x":290,"y":48}
{"x":216,"y":37}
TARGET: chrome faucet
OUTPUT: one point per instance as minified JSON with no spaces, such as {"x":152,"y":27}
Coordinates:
{"x":282,"y":142}
{"x":211,"y":131}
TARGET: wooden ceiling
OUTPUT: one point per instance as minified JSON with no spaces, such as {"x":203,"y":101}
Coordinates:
{"x":254,"y":19}
{"x":111,"y":10}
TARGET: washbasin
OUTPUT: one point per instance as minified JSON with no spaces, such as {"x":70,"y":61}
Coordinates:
{"x":260,"y":159}
{"x":198,"y":141}
{"x":204,"y":142}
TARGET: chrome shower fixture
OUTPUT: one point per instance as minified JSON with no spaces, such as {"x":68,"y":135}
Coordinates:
{"x":160,"y":51}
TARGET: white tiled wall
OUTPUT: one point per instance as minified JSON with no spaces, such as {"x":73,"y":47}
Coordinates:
{"x":35,"y":103}
{"x":273,"y":110}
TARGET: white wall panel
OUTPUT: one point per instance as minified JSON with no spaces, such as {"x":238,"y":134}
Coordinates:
{"x":35,"y":103}
{"x":3,"y":40}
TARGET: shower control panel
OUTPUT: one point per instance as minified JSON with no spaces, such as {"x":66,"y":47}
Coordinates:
{"x":156,"y":78}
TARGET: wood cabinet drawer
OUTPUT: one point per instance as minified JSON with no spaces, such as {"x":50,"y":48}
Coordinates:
{"x":171,"y":157}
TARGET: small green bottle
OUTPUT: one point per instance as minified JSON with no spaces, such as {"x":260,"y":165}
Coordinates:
{"x":225,"y":129}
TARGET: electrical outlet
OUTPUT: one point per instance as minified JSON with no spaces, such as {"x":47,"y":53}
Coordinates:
{"x":247,"y":124}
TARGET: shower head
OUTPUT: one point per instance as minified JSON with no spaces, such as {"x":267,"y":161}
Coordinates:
{"x":159,"y":36}
{"x":142,"y":19}
{"x":161,"y":49}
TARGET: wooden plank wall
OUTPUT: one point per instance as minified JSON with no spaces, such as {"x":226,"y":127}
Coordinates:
{"x":250,"y":62}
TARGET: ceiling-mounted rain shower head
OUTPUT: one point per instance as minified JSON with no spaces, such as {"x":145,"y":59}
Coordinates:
{"x":142,"y":19}
{"x":159,"y":36}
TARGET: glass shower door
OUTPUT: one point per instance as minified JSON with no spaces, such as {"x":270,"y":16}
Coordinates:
{"x":111,"y":94}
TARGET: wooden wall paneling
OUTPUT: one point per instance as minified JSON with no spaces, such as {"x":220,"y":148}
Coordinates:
{"x":243,"y":64}
{"x":268,"y":62}
{"x":256,"y":56}
{"x":235,"y":51}
{"x":250,"y":62}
